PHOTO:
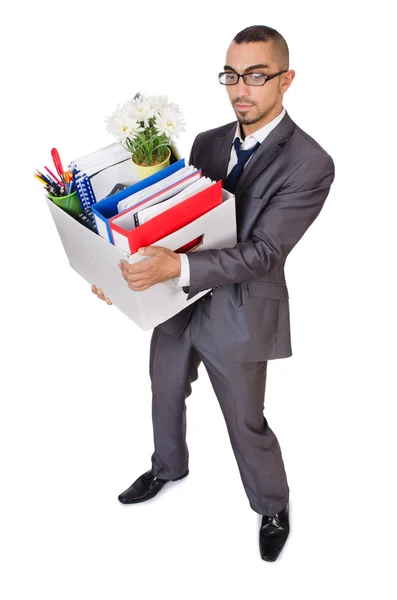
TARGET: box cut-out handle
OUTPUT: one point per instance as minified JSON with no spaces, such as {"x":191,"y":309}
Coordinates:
{"x":190,"y":246}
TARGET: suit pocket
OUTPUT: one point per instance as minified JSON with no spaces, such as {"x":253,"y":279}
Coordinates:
{"x":270,"y":291}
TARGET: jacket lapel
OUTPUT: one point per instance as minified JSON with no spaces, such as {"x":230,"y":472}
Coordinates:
{"x":271,"y":147}
{"x":268,"y":150}
{"x":221,"y":152}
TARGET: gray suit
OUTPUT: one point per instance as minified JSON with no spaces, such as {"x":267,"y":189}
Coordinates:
{"x":246,"y":323}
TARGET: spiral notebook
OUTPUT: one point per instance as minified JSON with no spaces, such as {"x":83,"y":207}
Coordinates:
{"x":84,"y":190}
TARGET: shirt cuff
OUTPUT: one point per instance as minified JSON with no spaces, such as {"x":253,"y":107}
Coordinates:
{"x":184,"y":278}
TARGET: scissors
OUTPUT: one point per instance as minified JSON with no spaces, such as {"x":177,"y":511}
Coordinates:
{"x":57,"y":162}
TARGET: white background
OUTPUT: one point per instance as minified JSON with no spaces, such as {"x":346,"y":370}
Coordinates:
{"x":75,"y":398}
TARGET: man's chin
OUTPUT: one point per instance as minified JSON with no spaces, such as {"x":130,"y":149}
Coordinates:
{"x":244,"y":118}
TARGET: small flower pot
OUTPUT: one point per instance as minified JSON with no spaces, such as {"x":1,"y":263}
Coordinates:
{"x":144,"y":171}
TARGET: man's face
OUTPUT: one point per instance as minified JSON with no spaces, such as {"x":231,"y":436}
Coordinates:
{"x":255,"y":106}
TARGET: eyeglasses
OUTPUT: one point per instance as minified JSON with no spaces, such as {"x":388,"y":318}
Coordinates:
{"x":255,"y":79}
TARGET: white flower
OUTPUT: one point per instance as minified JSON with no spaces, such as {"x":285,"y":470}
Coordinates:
{"x":175,"y":107}
{"x":140,"y":109}
{"x":158,"y":102}
{"x":168,"y":121}
{"x":122,"y":125}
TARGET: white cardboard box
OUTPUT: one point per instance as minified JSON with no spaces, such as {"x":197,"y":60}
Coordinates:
{"x":96,"y":260}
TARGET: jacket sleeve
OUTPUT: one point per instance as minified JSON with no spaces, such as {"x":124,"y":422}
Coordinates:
{"x":192,"y":156}
{"x":283,"y":221}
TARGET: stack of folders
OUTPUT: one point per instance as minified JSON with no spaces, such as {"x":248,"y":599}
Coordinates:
{"x":167,"y":187}
{"x":156,"y":211}
{"x":105,"y":167}
{"x":105,"y":209}
{"x":94,"y":163}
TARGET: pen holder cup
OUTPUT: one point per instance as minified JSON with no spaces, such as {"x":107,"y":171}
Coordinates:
{"x":70,"y":203}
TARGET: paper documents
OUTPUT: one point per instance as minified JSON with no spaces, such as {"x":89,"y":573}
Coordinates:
{"x":162,"y":190}
{"x":148,"y":213}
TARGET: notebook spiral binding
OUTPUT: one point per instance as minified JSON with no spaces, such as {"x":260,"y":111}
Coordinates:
{"x":84,"y":190}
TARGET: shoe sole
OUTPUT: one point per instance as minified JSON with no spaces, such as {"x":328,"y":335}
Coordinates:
{"x":152,"y":495}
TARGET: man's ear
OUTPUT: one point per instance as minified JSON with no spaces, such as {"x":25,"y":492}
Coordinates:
{"x":287,"y":80}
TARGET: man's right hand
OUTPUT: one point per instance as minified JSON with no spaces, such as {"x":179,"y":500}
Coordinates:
{"x":100,"y":294}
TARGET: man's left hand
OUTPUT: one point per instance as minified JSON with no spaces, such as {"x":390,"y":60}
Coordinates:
{"x":164,"y":264}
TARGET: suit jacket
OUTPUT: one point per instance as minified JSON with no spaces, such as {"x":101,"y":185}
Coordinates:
{"x":278,"y":196}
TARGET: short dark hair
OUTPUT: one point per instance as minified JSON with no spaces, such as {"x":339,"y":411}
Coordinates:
{"x":261,"y":33}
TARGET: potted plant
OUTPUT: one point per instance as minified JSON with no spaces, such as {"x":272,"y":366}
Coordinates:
{"x":147,"y":127}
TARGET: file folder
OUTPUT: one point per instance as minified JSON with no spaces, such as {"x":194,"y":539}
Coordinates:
{"x":157,"y":199}
{"x":130,"y":238}
{"x":197,"y":184}
{"x":102,"y":159}
{"x":107,"y":208}
{"x":165,"y":189}
{"x":122,"y":172}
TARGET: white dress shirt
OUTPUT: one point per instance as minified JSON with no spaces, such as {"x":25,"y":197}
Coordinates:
{"x":248,"y":142}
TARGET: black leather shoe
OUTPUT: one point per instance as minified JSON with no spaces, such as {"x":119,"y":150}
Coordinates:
{"x":145,"y":487}
{"x":273,"y":534}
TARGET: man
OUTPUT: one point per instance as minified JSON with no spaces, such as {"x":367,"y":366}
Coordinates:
{"x":280,"y":177}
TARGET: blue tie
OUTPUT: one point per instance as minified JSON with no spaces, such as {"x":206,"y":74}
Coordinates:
{"x":242,"y":157}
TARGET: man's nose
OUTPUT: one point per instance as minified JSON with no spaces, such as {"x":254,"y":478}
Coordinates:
{"x":242,"y":89}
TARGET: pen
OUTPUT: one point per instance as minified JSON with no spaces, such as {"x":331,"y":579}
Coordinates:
{"x":52,"y":191}
{"x":52,"y":174}
{"x":43,"y":177}
{"x":50,"y":182}
{"x":53,"y":187}
{"x":40,"y":179}
{"x":50,"y":179}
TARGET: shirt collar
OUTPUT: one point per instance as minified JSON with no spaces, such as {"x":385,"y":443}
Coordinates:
{"x":260,"y":134}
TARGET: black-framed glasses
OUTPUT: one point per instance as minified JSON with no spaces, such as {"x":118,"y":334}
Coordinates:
{"x":255,"y":79}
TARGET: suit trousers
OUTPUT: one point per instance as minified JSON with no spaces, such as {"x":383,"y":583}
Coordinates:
{"x":240,"y":390}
